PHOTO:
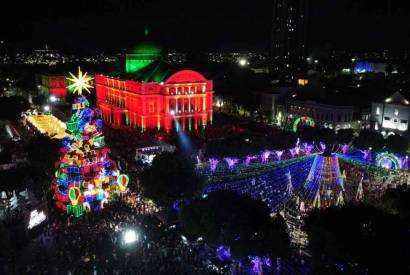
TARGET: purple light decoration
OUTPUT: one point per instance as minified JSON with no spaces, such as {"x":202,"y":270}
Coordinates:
{"x":279,"y":154}
{"x":345,"y":148}
{"x":297,"y":150}
{"x":248,"y":159}
{"x":308,"y":148}
{"x":213,"y":163}
{"x":405,"y":162}
{"x":292,"y":152}
{"x":265,"y":155}
{"x":223,"y":253}
{"x":322,"y":146}
{"x":231,"y":162}
{"x":256,"y":264}
{"x":365,"y":153}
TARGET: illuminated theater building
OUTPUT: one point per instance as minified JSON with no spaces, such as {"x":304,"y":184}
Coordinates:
{"x":149,"y":95}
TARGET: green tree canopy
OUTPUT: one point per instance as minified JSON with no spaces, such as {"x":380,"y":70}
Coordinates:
{"x":369,"y":138}
{"x":238,"y":221}
{"x":361,"y":238}
{"x":345,"y":135}
{"x":171,"y":177}
{"x":238,"y":145}
{"x":308,"y":134}
{"x":12,"y":107}
{"x":397,"y":144}
{"x":43,"y":152}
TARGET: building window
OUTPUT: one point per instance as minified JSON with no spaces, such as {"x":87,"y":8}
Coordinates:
{"x":151,"y":107}
{"x":395,"y":120}
{"x":386,"y":118}
{"x":396,"y":112}
{"x":403,"y":121}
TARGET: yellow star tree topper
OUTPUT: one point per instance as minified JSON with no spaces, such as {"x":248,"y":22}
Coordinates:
{"x":80,"y":82}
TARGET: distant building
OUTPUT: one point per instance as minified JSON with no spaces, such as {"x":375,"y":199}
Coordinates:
{"x":331,"y":116}
{"x":148,"y":153}
{"x":372,"y":67}
{"x":53,"y":85}
{"x":289,"y":36}
{"x":392,"y":115}
{"x":271,"y":103}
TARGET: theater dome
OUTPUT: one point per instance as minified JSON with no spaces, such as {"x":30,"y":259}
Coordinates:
{"x":186,"y":76}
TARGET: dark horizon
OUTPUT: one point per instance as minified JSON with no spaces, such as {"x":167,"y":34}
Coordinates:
{"x":88,"y":26}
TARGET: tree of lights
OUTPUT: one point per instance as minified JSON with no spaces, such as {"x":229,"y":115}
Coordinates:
{"x":85,"y":178}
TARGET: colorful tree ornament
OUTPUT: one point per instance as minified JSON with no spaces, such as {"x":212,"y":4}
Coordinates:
{"x":122,"y":181}
{"x":80,"y":82}
{"x":86,"y":179}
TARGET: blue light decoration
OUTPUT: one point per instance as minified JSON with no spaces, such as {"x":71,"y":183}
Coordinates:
{"x":271,"y":185}
{"x":223,"y":253}
{"x":213,"y":163}
{"x":388,"y":161}
{"x":300,"y":174}
{"x":259,"y":263}
{"x":363,"y":67}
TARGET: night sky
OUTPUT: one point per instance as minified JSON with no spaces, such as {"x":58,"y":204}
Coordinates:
{"x":88,"y":25}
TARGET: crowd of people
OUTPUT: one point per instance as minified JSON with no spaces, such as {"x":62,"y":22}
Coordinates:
{"x":94,"y":244}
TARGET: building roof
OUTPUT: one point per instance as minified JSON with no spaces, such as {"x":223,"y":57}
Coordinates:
{"x":185,"y":76}
{"x":157,"y":71}
{"x":398,"y":99}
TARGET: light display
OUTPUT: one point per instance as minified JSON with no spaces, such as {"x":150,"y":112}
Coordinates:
{"x":130,"y":236}
{"x":305,"y":120}
{"x":141,"y":57}
{"x":79,"y":83}
{"x":85,"y":178}
{"x":303,"y":176}
{"x":36,"y":218}
{"x":47,"y":124}
{"x":388,"y":161}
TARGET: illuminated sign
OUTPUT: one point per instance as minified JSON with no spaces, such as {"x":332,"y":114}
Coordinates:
{"x":36,"y":218}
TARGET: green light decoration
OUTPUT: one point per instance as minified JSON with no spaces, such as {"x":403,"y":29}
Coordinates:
{"x":99,"y":142}
{"x":304,"y":119}
{"x":74,"y":195}
{"x":141,"y":57}
{"x":76,"y":210}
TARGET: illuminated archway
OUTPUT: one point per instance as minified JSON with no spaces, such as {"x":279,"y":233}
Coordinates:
{"x":388,"y":161}
{"x":304,"y":119}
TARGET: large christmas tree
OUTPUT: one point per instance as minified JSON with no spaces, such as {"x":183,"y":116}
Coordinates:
{"x":85,"y":178}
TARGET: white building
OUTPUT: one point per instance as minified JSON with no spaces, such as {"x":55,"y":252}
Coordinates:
{"x":392,"y":115}
{"x":148,"y":153}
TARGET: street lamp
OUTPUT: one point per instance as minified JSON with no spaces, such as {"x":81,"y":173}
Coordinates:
{"x":243,"y":62}
{"x":130,"y":236}
{"x":46,"y":108}
{"x":53,"y":98}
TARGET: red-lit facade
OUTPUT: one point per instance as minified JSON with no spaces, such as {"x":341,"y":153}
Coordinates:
{"x":183,"y":100}
{"x":54,"y":85}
